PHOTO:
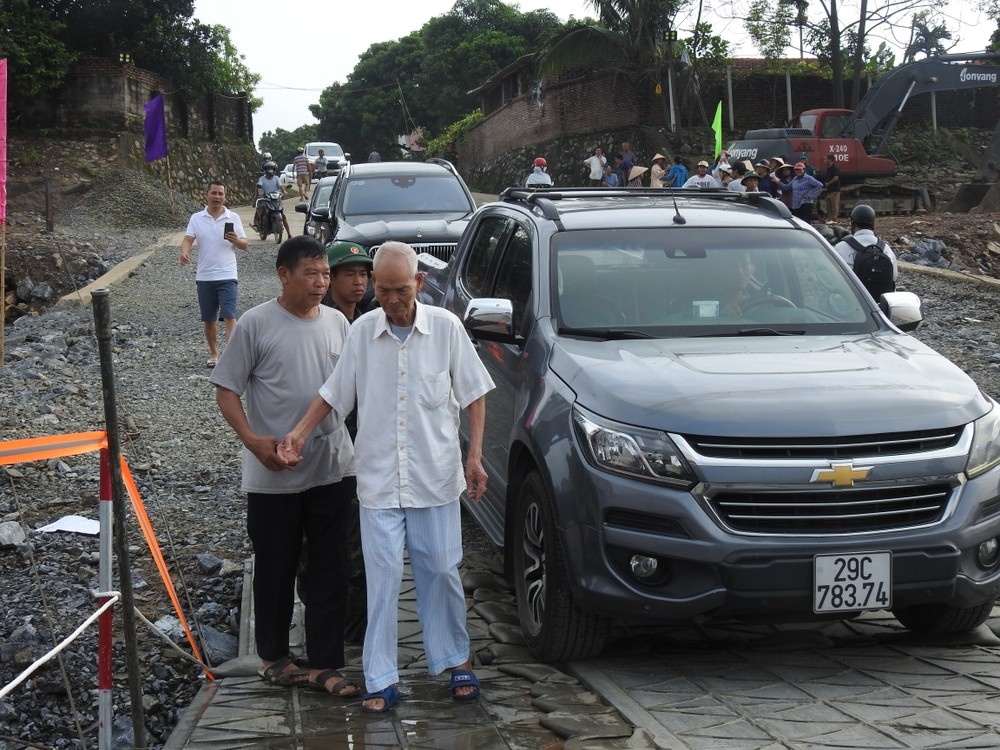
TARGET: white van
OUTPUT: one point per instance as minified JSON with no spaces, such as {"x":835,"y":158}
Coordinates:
{"x":336,"y":159}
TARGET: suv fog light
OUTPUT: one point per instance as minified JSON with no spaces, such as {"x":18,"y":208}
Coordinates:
{"x":988,"y":554}
{"x":643,"y":567}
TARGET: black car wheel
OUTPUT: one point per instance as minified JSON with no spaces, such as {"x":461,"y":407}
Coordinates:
{"x":555,"y":628}
{"x":941,"y":618}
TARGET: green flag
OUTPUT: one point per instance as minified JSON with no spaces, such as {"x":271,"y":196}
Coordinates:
{"x":717,"y":129}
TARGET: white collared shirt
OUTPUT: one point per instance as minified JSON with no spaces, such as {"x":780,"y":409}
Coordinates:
{"x":409,"y":395}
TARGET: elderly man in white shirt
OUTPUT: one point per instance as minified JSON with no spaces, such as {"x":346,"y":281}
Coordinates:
{"x":409,"y":368}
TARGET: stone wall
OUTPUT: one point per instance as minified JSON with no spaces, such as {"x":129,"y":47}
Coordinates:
{"x":109,"y":95}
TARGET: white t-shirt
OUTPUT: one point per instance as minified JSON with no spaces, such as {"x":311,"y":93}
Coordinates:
{"x":276,"y":361}
{"x":700,"y":181}
{"x":216,"y":255}
{"x":596,"y":164}
{"x":409,"y":395}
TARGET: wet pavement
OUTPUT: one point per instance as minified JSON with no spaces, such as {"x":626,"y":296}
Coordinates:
{"x":523,"y":705}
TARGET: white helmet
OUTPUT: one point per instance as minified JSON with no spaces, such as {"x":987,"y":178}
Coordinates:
{"x":267,"y":156}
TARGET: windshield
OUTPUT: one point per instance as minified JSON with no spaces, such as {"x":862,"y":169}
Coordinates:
{"x":330,"y":150}
{"x":698,"y":281}
{"x":406,"y":194}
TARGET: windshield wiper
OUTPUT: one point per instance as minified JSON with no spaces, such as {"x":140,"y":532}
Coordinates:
{"x":606,"y":333}
{"x":749,"y":332}
{"x":767,"y":332}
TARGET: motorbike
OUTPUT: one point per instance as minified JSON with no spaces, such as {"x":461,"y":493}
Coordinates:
{"x":273,"y":220}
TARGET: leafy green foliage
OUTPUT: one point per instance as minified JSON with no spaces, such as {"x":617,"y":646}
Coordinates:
{"x":36,"y":59}
{"x":423,"y":80}
{"x":769,"y":26}
{"x":926,"y":37}
{"x":42,"y":38}
{"x":282,"y":144}
{"x":441,"y":146}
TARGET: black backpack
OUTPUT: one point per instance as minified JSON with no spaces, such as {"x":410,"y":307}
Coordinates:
{"x":873,"y":267}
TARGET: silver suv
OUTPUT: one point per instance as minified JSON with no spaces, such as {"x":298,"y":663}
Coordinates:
{"x":700,"y":412}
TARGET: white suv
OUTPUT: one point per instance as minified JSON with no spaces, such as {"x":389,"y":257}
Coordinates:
{"x":336,"y":159}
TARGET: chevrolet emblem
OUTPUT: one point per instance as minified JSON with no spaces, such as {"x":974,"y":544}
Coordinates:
{"x":841,"y":475}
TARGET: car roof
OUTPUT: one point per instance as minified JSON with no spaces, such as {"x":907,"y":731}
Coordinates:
{"x":588,"y":208}
{"x":398,"y":168}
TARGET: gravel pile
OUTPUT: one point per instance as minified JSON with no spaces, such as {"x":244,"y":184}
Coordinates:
{"x":185,"y":459}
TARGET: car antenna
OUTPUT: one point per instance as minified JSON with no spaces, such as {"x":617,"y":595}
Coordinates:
{"x":678,"y":219}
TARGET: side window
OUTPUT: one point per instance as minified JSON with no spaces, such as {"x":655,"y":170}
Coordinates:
{"x":489,"y":235}
{"x":514,"y":275}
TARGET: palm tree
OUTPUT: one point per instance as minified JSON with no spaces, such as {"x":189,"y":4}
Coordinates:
{"x":631,"y":39}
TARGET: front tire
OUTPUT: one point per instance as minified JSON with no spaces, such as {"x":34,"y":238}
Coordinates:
{"x":555,"y":628}
{"x":941,"y":618}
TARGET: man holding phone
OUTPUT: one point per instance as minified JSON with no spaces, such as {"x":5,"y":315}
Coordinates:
{"x":219,"y":233}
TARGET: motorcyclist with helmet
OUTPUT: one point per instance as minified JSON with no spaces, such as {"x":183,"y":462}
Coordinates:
{"x":264,"y":159}
{"x":268,"y":183}
{"x":538,"y":177}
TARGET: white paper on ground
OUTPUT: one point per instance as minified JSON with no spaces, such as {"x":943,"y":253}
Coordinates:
{"x":75,"y":524}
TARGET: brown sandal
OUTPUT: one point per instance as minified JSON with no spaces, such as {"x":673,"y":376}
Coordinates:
{"x":342,"y":688}
{"x":278,"y":673}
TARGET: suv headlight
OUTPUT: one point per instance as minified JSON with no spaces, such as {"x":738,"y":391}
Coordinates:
{"x":985,"y":453}
{"x":633,"y":451}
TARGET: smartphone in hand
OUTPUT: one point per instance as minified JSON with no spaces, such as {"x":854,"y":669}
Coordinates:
{"x":227,"y":228}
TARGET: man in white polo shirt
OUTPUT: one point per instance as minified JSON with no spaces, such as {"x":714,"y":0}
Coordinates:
{"x":219,"y":233}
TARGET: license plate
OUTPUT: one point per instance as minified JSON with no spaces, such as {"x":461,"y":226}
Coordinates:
{"x":851,"y":583}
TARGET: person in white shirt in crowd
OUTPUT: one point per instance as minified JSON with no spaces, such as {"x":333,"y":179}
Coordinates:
{"x":596,"y":164}
{"x":701,"y":178}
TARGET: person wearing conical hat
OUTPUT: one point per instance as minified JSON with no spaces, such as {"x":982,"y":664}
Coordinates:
{"x":656,"y":171}
{"x":635,"y":176}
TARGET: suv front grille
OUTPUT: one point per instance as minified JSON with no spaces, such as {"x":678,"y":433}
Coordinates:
{"x":847,"y":511}
{"x":441,"y":251}
{"x":858,"y":446}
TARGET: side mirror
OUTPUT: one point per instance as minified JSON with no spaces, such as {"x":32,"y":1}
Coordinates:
{"x":903,"y":309}
{"x":491,"y":319}
{"x":322,"y":212}
{"x":301,"y":208}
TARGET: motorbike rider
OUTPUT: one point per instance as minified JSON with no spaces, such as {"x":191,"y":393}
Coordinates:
{"x":268,"y":183}
{"x":264,"y":159}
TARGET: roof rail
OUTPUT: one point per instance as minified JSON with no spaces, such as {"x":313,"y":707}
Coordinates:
{"x":441,"y":162}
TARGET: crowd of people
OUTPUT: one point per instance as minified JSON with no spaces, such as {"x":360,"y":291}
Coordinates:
{"x":798,"y":184}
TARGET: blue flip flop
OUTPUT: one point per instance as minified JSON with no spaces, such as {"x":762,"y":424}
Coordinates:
{"x":389,"y":696}
{"x":463,"y":678}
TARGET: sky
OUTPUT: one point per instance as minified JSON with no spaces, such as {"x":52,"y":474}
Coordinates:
{"x":292,"y":79}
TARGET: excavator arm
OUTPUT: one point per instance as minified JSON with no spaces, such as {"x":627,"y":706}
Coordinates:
{"x":875,"y":118}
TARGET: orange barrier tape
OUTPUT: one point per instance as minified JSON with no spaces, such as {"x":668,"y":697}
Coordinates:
{"x":161,"y":565}
{"x":54,"y":446}
{"x":57,"y":446}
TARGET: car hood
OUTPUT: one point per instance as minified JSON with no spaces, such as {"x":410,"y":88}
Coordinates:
{"x":790,"y":386}
{"x":410,"y":229}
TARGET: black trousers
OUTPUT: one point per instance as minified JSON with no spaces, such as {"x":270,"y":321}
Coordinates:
{"x":276,"y":525}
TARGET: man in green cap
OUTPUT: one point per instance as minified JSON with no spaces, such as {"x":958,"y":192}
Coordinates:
{"x":350,"y":272}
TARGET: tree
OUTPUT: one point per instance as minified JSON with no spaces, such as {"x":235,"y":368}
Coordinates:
{"x":926,"y":37}
{"x":37,"y":59}
{"x":282,"y":144}
{"x":838,"y":40}
{"x":630,"y":37}
{"x":992,"y":11}
{"x":424,"y":79}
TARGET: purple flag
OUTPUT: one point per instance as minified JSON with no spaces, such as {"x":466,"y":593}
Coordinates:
{"x":155,"y":128}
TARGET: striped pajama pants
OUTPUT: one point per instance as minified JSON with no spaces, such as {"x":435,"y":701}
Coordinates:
{"x":433,"y":537}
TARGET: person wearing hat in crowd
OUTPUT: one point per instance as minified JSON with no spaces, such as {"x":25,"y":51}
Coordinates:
{"x":701,"y":179}
{"x":635,"y":176}
{"x":764,"y":182}
{"x":677,"y":175}
{"x":350,"y":270}
{"x":538,"y":177}
{"x":723,"y":175}
{"x":832,"y":185}
{"x":804,"y":192}
{"x":782,"y":176}
{"x":628,"y":161}
{"x":300,"y":164}
{"x":809,"y":168}
{"x":656,"y":171}
{"x":750,"y":182}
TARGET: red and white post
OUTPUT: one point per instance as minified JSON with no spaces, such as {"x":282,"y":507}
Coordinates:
{"x":105,"y":622}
